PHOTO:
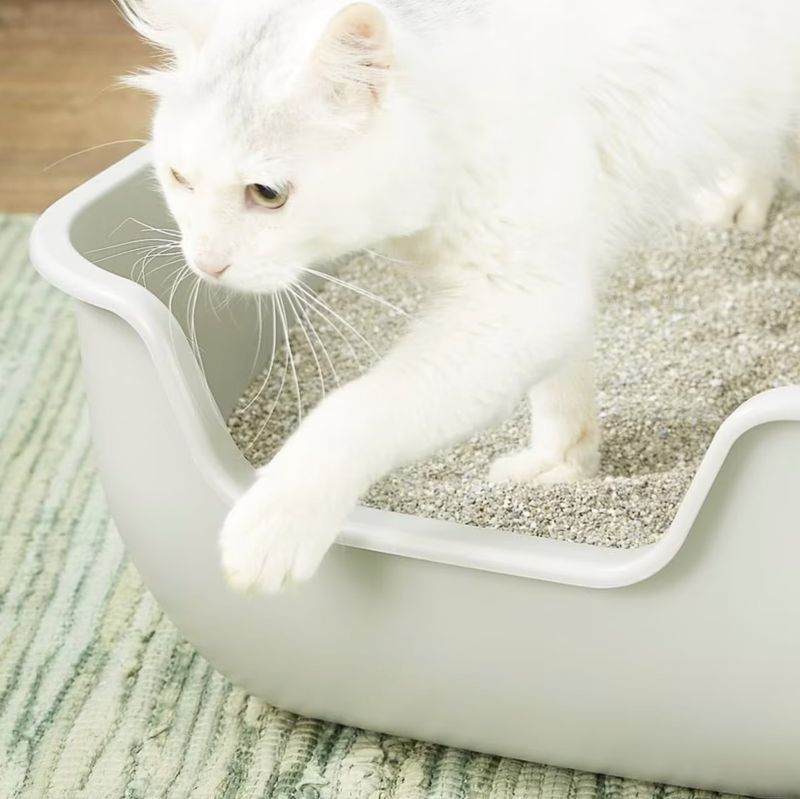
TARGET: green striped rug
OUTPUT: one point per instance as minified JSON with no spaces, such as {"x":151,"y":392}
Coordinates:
{"x":99,"y":696}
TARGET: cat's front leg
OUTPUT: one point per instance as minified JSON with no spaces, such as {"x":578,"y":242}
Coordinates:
{"x":463,"y":366}
{"x":281,"y":528}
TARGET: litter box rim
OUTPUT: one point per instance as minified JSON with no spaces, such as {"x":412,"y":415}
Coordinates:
{"x":228,"y":474}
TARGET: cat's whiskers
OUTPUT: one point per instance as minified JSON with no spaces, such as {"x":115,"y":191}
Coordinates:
{"x":182,"y":274}
{"x":213,"y":294}
{"x":288,"y":344}
{"x":172,"y":233}
{"x":92,"y":149}
{"x":260,"y":335}
{"x":191,"y":311}
{"x":169,"y":234}
{"x":332,"y":324}
{"x":388,"y":258}
{"x":314,"y":297}
{"x":303,"y":304}
{"x":227,"y":298}
{"x":132,"y":251}
{"x":178,"y":264}
{"x":324,"y":313}
{"x":290,"y":298}
{"x":136,"y":242}
{"x":357,"y":289}
{"x":147,"y":249}
{"x":265,"y":381}
{"x":274,"y":405}
{"x":172,"y":255}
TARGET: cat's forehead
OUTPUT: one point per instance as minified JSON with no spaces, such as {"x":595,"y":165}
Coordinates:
{"x":245,"y":93}
{"x":253,"y":54}
{"x":226,"y":135}
{"x":244,"y":105}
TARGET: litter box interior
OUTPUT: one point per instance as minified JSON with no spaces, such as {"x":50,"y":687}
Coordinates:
{"x":688,"y":330}
{"x":116,"y":233}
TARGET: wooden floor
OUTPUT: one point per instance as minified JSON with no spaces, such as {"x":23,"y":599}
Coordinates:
{"x":59,"y":62}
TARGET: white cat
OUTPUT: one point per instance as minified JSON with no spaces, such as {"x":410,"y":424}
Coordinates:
{"x":511,"y":147}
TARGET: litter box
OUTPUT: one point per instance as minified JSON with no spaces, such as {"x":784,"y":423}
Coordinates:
{"x":675,"y":662}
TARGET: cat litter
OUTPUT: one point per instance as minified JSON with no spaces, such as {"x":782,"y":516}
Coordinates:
{"x":688,"y":329}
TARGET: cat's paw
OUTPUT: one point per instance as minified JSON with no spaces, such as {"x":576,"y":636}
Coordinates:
{"x":741,"y":200}
{"x":275,"y":535}
{"x":537,"y":468}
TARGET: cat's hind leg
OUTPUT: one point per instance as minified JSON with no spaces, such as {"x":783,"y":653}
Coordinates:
{"x":564,"y":435}
{"x":743,"y":195}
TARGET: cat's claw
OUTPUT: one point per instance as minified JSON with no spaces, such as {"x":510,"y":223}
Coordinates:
{"x":274,"y":537}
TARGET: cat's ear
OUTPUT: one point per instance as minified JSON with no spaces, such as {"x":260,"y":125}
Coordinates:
{"x":177,"y":26}
{"x":353,"y":57}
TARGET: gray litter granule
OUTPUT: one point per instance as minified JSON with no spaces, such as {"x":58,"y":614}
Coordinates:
{"x":687,"y":331}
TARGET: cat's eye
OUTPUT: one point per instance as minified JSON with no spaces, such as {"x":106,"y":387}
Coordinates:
{"x":268,"y":196}
{"x":180,"y":179}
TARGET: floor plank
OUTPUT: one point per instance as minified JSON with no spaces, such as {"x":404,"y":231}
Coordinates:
{"x":59,"y":65}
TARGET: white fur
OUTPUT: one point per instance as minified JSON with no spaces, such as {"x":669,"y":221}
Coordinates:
{"x":513,"y":148}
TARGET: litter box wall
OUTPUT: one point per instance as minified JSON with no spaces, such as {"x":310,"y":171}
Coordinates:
{"x":684,"y":669}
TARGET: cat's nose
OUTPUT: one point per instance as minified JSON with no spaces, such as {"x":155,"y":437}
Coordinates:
{"x":213,"y":269}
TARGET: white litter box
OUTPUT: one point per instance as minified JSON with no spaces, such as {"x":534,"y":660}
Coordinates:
{"x":676,"y":662}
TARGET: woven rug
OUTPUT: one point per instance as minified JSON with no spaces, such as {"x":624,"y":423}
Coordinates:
{"x":99,"y":696}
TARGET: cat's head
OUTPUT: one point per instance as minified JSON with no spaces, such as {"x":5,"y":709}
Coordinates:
{"x":286,"y":133}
